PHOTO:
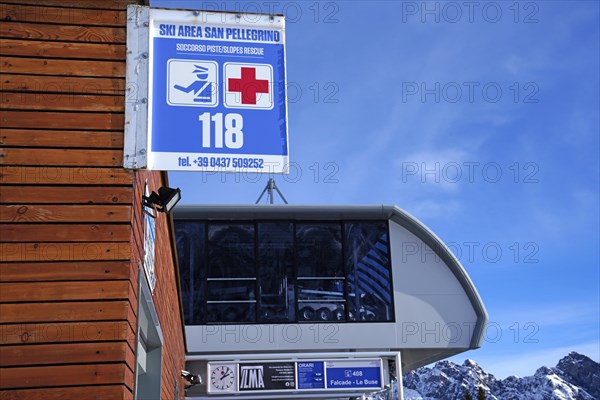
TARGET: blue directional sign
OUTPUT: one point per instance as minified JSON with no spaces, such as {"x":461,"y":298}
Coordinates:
{"x":354,"y":374}
{"x":218,"y":92}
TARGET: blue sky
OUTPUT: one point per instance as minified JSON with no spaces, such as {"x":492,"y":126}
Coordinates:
{"x":483,"y":122}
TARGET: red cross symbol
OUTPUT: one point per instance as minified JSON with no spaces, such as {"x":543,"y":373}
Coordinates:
{"x":248,"y":85}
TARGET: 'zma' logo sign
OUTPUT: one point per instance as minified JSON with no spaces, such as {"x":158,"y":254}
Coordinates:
{"x":252,"y":377}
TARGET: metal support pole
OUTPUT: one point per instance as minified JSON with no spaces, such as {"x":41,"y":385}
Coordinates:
{"x":269,"y":190}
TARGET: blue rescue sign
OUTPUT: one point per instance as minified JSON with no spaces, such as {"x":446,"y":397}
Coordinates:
{"x":217,"y":92}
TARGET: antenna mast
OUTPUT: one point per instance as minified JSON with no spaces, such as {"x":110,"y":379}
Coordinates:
{"x":271,"y":185}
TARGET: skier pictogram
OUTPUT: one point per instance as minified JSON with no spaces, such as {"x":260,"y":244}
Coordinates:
{"x":203,"y":90}
{"x":192,"y":83}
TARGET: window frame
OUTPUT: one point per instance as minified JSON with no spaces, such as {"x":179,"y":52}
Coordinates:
{"x":295,"y":278}
{"x":149,"y":344}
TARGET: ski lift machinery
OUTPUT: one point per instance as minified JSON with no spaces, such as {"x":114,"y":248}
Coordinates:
{"x":317,"y":301}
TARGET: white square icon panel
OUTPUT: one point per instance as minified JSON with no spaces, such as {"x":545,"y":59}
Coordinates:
{"x":196,"y":83}
{"x":248,"y":86}
{"x":192,"y":83}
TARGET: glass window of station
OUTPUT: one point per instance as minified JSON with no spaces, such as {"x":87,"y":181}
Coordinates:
{"x":284,"y":271}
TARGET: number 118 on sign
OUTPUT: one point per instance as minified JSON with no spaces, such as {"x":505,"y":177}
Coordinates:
{"x":212,"y":130}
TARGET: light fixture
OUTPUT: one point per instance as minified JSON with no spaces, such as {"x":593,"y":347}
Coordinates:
{"x":191,"y":379}
{"x":164,"y":201}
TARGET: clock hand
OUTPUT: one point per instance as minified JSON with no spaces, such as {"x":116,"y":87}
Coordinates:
{"x":226,"y":375}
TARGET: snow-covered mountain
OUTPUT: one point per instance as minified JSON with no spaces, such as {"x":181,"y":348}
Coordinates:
{"x":575,"y":377}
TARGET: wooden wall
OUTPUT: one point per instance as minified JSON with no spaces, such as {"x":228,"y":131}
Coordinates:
{"x":71,"y":228}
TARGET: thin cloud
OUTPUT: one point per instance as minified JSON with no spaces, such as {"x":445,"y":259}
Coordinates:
{"x":525,"y":364}
{"x":551,"y":315}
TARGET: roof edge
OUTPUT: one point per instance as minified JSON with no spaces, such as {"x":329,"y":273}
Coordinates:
{"x":420,"y":230}
{"x":335,"y":212}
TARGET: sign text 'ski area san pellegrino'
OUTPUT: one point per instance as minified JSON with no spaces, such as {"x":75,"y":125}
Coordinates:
{"x":216,"y":91}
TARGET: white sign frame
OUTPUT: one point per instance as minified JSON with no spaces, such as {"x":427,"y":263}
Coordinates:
{"x":262,"y":146}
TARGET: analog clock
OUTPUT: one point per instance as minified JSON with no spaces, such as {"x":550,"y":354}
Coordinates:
{"x":222,"y":377}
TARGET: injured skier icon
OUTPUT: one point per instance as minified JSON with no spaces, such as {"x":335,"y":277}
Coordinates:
{"x":192,"y":83}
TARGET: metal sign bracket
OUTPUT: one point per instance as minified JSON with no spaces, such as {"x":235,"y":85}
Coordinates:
{"x":136,"y":93}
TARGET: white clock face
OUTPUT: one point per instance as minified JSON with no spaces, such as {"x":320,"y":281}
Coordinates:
{"x":222,"y":377}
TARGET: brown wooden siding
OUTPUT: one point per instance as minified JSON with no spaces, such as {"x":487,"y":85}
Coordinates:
{"x":71,"y":221}
{"x":166,"y":296}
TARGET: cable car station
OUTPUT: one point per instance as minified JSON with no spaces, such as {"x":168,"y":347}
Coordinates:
{"x":284,"y":301}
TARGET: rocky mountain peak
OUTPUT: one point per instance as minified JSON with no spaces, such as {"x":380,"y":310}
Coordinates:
{"x":576,"y":377}
{"x":581,"y":371}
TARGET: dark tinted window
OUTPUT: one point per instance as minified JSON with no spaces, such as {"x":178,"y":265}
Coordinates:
{"x":231,"y":251}
{"x":191,"y":245}
{"x":231,"y":282}
{"x":320,"y":271}
{"x":321,"y":299}
{"x":230,"y":313}
{"x":319,"y":250}
{"x":276,"y":271}
{"x":231,"y":289}
{"x":368,"y":272}
{"x":284,"y":271}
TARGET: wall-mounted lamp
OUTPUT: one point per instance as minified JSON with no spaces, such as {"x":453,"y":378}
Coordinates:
{"x":191,"y":379}
{"x":164,"y":201}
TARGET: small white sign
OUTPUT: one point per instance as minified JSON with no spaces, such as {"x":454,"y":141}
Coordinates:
{"x":149,"y":241}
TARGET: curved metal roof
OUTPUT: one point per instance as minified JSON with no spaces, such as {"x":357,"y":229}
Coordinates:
{"x":345,"y":212}
{"x":413,"y":358}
